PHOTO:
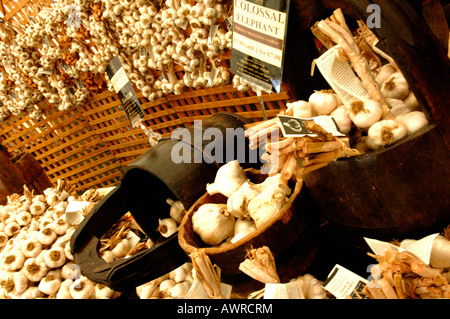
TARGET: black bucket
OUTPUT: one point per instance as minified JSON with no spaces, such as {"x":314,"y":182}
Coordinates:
{"x":145,"y":185}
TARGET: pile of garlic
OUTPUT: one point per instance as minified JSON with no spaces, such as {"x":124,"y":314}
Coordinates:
{"x":35,"y":257}
{"x":62,"y":55}
{"x":368,"y":125}
{"x":249,"y":206}
{"x":173,"y":285}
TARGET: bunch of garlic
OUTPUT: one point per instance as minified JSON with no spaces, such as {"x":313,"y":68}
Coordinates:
{"x":173,"y":285}
{"x":370,"y":125}
{"x":248,"y":207}
{"x":35,"y":257}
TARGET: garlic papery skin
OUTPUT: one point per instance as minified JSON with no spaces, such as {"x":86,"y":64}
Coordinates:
{"x":413,"y":121}
{"x":384,"y":133}
{"x":364,"y":114}
{"x":82,"y":288}
{"x":323,"y":102}
{"x":384,"y":72}
{"x":395,"y":87}
{"x":343,"y":121}
{"x":167,"y":227}
{"x":229,"y":178}
{"x":213,"y":223}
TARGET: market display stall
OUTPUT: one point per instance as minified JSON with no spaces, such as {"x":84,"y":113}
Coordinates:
{"x":224,"y":150}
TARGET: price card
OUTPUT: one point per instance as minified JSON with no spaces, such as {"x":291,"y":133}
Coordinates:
{"x":259,"y":36}
{"x":124,"y":88}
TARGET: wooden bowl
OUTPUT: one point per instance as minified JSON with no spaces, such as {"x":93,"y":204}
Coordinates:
{"x":280,"y":233}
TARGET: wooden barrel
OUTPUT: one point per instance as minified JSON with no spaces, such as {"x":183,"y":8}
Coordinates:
{"x":11,"y":179}
{"x":32,"y":172}
{"x":397,"y":192}
{"x":290,"y":235}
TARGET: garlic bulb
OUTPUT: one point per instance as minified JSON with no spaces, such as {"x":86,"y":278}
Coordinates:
{"x":342,"y":119}
{"x":14,"y":260}
{"x":398,"y":107}
{"x":384,"y":72}
{"x":34,"y":269}
{"x":323,"y":102}
{"x":167,"y":227}
{"x":300,"y":109}
{"x":242,"y":228}
{"x":213,"y":223}
{"x":395,"y":87}
{"x":50,"y":283}
{"x":365,"y":113}
{"x":411,"y":101}
{"x":55,"y":257}
{"x":266,"y":205}
{"x":122,"y":248}
{"x":237,"y":202}
{"x":229,"y":178}
{"x":384,"y":133}
{"x":177,"y":210}
{"x":179,"y":290}
{"x":82,"y":288}
{"x":413,"y":121}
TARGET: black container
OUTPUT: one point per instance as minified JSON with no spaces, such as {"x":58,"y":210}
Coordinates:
{"x":145,"y":185}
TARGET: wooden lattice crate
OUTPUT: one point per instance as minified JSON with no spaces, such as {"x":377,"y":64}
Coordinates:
{"x":89,"y":145}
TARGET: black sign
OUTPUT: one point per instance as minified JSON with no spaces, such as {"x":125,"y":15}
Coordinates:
{"x":124,"y":90}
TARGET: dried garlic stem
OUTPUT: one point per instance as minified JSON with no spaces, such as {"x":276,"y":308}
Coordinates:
{"x":207,"y":273}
